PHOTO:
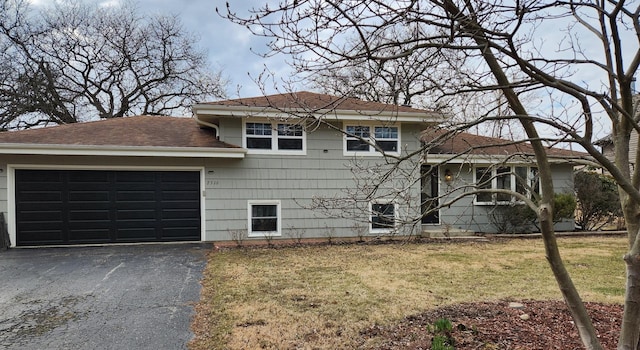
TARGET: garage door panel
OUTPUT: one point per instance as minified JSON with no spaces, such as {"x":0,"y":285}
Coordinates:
{"x":136,"y":196}
{"x":187,"y":226}
{"x":40,"y":216}
{"x":42,"y":196}
{"x":80,"y":176}
{"x":85,"y":215}
{"x":94,"y":235}
{"x":178,"y":186}
{"x":39,"y":176}
{"x":43,"y":225}
{"x":142,"y":214}
{"x":87,"y":205}
{"x":135,"y":176}
{"x":89,"y":196}
{"x":182,"y":205}
{"x":179,"y":195}
{"x":42,"y":237}
{"x":137,"y":234}
{"x":181,"y":233}
{"x":171,"y":214}
{"x":78,"y":206}
{"x":176,"y":176}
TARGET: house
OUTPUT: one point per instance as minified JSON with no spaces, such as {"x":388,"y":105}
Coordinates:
{"x":608,"y":149}
{"x":291,"y":165}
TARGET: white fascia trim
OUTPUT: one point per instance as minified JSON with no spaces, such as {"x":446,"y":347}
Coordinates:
{"x":482,"y":159}
{"x":11,"y":187}
{"x":327,"y":114}
{"x":125,"y":151}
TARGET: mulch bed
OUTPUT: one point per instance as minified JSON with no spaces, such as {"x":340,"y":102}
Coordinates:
{"x":495,"y":325}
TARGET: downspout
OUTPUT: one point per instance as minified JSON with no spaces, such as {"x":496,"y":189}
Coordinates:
{"x":210,"y":125}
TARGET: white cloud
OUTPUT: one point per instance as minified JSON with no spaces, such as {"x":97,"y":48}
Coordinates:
{"x":110,"y":3}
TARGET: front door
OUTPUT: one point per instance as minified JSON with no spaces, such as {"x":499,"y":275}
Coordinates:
{"x":430,"y":192}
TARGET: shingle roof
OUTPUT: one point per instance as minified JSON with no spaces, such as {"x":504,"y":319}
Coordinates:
{"x":314,"y":101}
{"x":466,"y":143}
{"x":143,"y":131}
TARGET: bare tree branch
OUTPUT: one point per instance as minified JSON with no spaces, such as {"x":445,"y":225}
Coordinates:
{"x":73,"y":62}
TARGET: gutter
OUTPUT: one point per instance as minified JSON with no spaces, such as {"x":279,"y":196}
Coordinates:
{"x":329,"y":114}
{"x":126,"y":151}
{"x":443,"y":158}
{"x":207,"y":124}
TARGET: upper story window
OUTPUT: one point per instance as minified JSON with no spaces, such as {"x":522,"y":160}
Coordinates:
{"x":371,"y":139}
{"x":519,"y":179}
{"x":274,"y":137}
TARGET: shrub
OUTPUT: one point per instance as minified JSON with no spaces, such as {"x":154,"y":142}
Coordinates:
{"x":598,"y":200}
{"x":519,"y":218}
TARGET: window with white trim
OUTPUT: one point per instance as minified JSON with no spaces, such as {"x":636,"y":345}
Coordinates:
{"x":384,"y":216}
{"x":274,"y":137}
{"x":264,"y":218}
{"x":386,"y":138}
{"x":515,"y":178}
{"x":369,"y":139}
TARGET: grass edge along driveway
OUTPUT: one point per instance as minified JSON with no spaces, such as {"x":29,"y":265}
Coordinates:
{"x":321,"y":297}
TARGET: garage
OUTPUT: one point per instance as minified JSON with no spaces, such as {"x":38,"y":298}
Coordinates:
{"x":55,"y":207}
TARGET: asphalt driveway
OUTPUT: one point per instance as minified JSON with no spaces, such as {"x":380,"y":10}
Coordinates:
{"x":114,"y":297}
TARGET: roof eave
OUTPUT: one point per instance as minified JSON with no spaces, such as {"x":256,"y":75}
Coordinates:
{"x":329,"y":114}
{"x":496,"y":159}
{"x":124,"y":151}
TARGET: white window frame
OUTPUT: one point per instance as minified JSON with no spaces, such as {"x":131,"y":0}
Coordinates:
{"x":278,"y":232}
{"x":371,"y":140}
{"x":513,"y":180}
{"x":395,"y":216}
{"x":274,"y":137}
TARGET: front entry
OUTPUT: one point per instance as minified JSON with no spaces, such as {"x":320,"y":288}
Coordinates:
{"x":430,"y":192}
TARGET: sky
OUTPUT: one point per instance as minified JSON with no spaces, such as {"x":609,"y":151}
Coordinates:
{"x":229,"y":45}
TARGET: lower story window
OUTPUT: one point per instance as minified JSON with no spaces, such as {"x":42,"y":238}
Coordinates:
{"x":383,"y":216}
{"x":264,"y":218}
{"x":517,"y":179}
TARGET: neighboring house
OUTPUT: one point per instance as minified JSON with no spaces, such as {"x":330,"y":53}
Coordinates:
{"x":608,"y":149}
{"x":258,"y":167}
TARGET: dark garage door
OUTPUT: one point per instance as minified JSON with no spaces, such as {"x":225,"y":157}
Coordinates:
{"x":89,"y":206}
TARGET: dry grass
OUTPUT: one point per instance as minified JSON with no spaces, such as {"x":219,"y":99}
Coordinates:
{"x":320,"y":297}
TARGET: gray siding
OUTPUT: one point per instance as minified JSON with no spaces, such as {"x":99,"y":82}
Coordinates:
{"x":295,"y":180}
{"x":465,"y":215}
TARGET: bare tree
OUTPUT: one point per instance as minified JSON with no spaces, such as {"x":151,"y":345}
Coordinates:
{"x":512,"y":48}
{"x":408,"y":80}
{"x":417,"y":80}
{"x":75,"y":61}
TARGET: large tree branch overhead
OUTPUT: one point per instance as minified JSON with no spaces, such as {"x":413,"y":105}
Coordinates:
{"x":74,"y":62}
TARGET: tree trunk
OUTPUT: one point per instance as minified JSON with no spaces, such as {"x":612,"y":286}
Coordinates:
{"x":571,"y":297}
{"x":545,"y":212}
{"x":630,"y":333}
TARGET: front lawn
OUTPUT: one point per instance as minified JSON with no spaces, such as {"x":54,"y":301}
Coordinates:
{"x":322,"y":297}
